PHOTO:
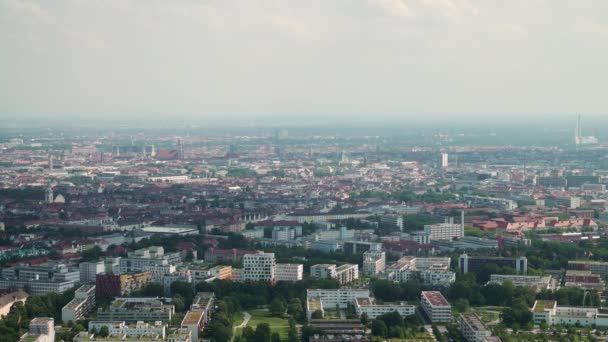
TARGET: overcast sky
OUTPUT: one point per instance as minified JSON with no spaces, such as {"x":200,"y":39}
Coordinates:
{"x":319,"y":58}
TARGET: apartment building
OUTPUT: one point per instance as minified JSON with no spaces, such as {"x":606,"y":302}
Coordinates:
{"x":199,"y":314}
{"x":344,"y":274}
{"x":373,"y":262}
{"x":172,"y":335}
{"x":112,"y":285}
{"x":130,"y":309}
{"x":596,"y":267}
{"x":50,"y":277}
{"x":138,"y":330}
{"x":82,"y":304}
{"x":473,"y":329}
{"x":259,"y":267}
{"x":475,"y":263}
{"x":372,"y":310}
{"x":444,"y":231}
{"x":288,"y":272}
{"x":436,"y":307}
{"x":536,"y":282}
{"x":430,"y":271}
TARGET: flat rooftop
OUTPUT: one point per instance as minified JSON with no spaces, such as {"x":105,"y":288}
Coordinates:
{"x":168,"y":230}
{"x":435,"y":298}
{"x":192,"y":318}
{"x":541,"y":305}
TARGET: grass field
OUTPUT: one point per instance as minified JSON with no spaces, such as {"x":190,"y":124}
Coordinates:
{"x":277,"y":324}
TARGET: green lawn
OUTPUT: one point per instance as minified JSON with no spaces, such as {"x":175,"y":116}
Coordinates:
{"x":277,"y":324}
{"x":237,"y":318}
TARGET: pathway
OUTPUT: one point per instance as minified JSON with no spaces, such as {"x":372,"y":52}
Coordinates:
{"x":246,"y":318}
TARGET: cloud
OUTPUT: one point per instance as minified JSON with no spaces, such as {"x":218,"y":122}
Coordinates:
{"x":396,"y":8}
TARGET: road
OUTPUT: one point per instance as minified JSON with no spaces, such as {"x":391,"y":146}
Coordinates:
{"x":246,"y":318}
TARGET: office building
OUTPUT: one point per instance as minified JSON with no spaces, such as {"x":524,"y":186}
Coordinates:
{"x":82,"y":304}
{"x":436,"y":307}
{"x":475,"y":263}
{"x":288,"y":272}
{"x":41,"y":329}
{"x":373,"y":262}
{"x":322,"y":299}
{"x":368,"y":306}
{"x":356,"y":247}
{"x":536,"y":282}
{"x":90,"y":270}
{"x":549,"y":312}
{"x":259,"y":267}
{"x":444,"y":231}
{"x":50,"y":277}
{"x":130,"y":309}
{"x":595,"y":267}
{"x":392,"y":220}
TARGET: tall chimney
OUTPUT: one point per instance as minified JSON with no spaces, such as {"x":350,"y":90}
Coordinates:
{"x":462,"y":223}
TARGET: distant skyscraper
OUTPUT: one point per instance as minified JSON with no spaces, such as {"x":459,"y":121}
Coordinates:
{"x":443,"y":160}
{"x":180,"y":149}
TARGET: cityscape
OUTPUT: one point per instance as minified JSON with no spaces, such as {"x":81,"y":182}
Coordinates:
{"x":303,"y":171}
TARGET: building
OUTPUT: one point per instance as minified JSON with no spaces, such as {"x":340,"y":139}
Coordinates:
{"x":444,"y":231}
{"x":136,"y":309}
{"x":436,"y":307}
{"x":372,"y":310}
{"x":288,"y":272}
{"x":578,"y":181}
{"x":536,"y":282}
{"x":492,"y":202}
{"x":595,"y":267}
{"x":140,"y":259}
{"x":139,"y":330}
{"x":392,"y":220}
{"x":430,"y":271}
{"x":172,"y":335}
{"x":90,"y":270}
{"x":322,"y":299}
{"x":583,"y":279}
{"x":216,"y":255}
{"x":42,"y":329}
{"x":344,"y":274}
{"x":82,"y":304}
{"x":465,"y":243}
{"x":183,"y":275}
{"x":473,"y":329}
{"x":199,"y":314}
{"x":475,"y":263}
{"x":443,"y":160}
{"x":549,"y":312}
{"x":259,"y":267}
{"x":355,"y":247}
{"x":50,"y":277}
{"x":221,"y":272}
{"x":112,"y":285}
{"x":373,"y":262}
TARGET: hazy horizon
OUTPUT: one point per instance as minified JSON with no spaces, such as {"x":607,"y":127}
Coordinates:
{"x":290,"y":62}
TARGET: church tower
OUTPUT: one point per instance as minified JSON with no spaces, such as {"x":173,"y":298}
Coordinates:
{"x":48,"y":196}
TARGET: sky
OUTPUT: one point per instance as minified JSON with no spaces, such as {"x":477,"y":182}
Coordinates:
{"x":307,"y":60}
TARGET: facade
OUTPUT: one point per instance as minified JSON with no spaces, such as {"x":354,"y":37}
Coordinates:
{"x":492,"y":202}
{"x":289,"y":272}
{"x":134,"y":331}
{"x":367,"y":306}
{"x":392,"y":220}
{"x":112,"y":285}
{"x":444,"y":231}
{"x":259,"y":267}
{"x":172,"y":335}
{"x":537,"y":282}
{"x":90,"y":270}
{"x":136,"y":309}
{"x":319,"y":299}
{"x":82,"y":304}
{"x":475,"y":263}
{"x":436,"y":307}
{"x":443,"y":160}
{"x":373,"y":262}
{"x":429,"y":271}
{"x":596,"y":267}
{"x":473,"y":329}
{"x":221,"y":272}
{"x":355,"y":247}
{"x":215,"y":255}
{"x":50,"y":277}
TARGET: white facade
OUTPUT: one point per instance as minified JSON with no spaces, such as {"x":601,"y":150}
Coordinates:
{"x":137,"y":330}
{"x":288,"y":272}
{"x":430,"y":271}
{"x":444,"y":231}
{"x":373,"y":262}
{"x":436,"y":306}
{"x":323,"y":271}
{"x":259,"y":267}
{"x":138,"y":260}
{"x":473,"y":329}
{"x":367,"y":306}
{"x":42,"y":329}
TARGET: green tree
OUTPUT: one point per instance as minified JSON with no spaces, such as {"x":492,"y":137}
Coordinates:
{"x":104,"y":331}
{"x":275,"y":337}
{"x":277,"y":307}
{"x":379,"y":328}
{"x":262,"y":333}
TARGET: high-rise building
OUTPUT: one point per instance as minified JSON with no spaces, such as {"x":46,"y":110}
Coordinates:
{"x":288,"y":272}
{"x":82,"y":304}
{"x":90,"y":270}
{"x":443,"y":160}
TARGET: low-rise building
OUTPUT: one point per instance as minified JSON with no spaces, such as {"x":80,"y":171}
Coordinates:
{"x":134,"y":331}
{"x":549,"y":312}
{"x":344,"y":274}
{"x":372,"y":310}
{"x":373,"y":262}
{"x":136,"y":309}
{"x":41,"y":329}
{"x":436,"y":307}
{"x":473,"y":329}
{"x":288,"y":272}
{"x":90,"y":270}
{"x":112,"y":285}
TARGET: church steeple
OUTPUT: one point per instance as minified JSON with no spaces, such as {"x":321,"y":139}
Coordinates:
{"x":48,"y":197}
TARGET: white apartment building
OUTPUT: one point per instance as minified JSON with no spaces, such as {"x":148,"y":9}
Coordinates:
{"x":284,"y":233}
{"x":137,"y":330}
{"x":436,"y":307}
{"x":90,"y":270}
{"x":159,"y":271}
{"x":42,"y":329}
{"x":537,"y":282}
{"x":259,"y":267}
{"x":344,"y":274}
{"x":547,"y":311}
{"x":288,"y":272}
{"x":373,"y":262}
{"x":82,"y":304}
{"x":444,"y":231}
{"x":430,"y":271}
{"x":473,"y":329}
{"x":367,"y":306}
